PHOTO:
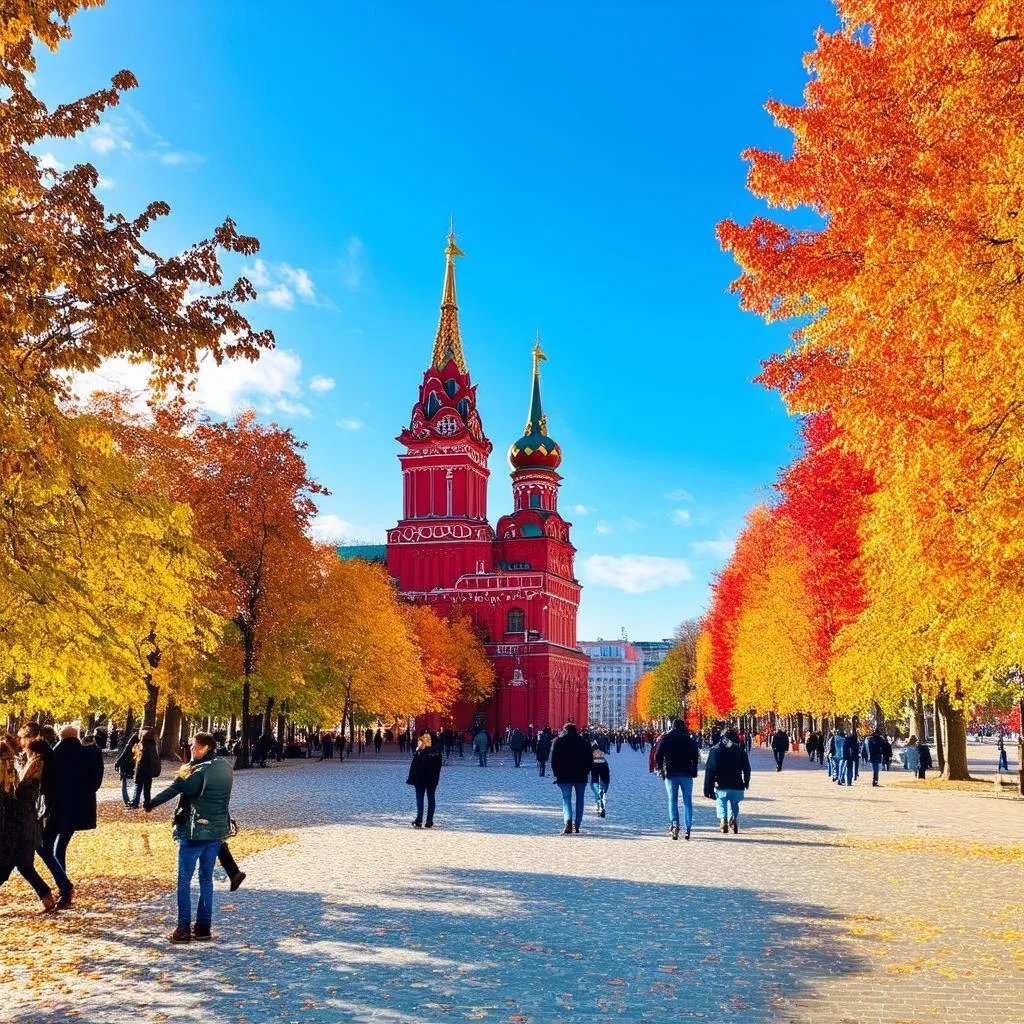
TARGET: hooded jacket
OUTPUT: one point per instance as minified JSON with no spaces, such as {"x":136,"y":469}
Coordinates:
{"x":677,"y":754}
{"x":728,"y":767}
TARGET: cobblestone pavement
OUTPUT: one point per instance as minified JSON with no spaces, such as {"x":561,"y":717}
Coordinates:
{"x":860,"y":905}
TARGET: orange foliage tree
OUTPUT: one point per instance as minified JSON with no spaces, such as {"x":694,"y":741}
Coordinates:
{"x":910,"y":295}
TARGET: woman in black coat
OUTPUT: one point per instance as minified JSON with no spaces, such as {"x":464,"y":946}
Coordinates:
{"x":20,"y":829}
{"x":147,"y":766}
{"x":424,"y":775}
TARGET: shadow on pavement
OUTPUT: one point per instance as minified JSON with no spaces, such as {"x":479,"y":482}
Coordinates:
{"x":484,"y":945}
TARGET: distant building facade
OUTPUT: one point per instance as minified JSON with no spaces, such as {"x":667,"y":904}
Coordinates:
{"x":615,"y":668}
{"x":653,"y":652}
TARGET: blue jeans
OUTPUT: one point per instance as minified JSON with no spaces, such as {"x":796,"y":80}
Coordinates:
{"x":581,"y":793}
{"x":482,"y":755}
{"x":728,"y":801}
{"x":1003,"y":766}
{"x":875,"y":765}
{"x":430,"y":791}
{"x":53,"y":853}
{"x":673,"y":784}
{"x":518,"y":756}
{"x":598,"y":789}
{"x":849,"y":770}
{"x":125,"y":779}
{"x":190,"y":853}
{"x":142,"y":789}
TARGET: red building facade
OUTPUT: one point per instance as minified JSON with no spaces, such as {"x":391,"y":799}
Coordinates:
{"x":516,"y":581}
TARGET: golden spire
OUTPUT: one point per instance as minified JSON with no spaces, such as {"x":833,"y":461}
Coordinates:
{"x":448,"y":343}
{"x":537,"y":422}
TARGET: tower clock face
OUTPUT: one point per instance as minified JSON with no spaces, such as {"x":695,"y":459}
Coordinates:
{"x":447,"y":426}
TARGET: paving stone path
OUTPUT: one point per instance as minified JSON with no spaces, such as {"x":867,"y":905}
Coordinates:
{"x":860,"y":905}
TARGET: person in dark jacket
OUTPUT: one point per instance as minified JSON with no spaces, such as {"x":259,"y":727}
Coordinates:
{"x":76,"y":773}
{"x":600,"y":779}
{"x":780,"y":744}
{"x":726,"y":778}
{"x":543,"y":750}
{"x":202,"y":821}
{"x":424,"y":775}
{"x":677,"y":760}
{"x":571,"y":761}
{"x":875,"y":745}
{"x":125,"y":767}
{"x":147,"y":766}
{"x":21,"y":782}
{"x":851,"y":757}
{"x":517,"y":743}
{"x":924,"y":759}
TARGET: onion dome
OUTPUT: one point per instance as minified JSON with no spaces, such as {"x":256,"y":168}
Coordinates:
{"x":535,"y":449}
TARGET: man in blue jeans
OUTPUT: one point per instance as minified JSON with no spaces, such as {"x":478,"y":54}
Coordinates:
{"x":676,"y":759}
{"x":571,"y":762}
{"x":202,"y":821}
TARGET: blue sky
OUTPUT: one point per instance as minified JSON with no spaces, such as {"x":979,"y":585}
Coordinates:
{"x":586,"y":152}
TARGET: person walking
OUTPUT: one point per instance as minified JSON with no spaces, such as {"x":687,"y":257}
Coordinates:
{"x":726,"y":778}
{"x":516,"y":743}
{"x":677,"y":759}
{"x":1003,"y":764}
{"x":424,"y":775}
{"x":202,"y":821}
{"x":875,"y":744}
{"x":481,"y":742}
{"x":835,"y":756}
{"x":600,"y":779}
{"x":924,"y":759}
{"x":147,"y":766}
{"x":851,"y":757}
{"x":76,"y":775}
{"x":21,"y":782}
{"x":124,"y":765}
{"x":780,"y":744}
{"x":543,"y":750}
{"x":571,"y":762}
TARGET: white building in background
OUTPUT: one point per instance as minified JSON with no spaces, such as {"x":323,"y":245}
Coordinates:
{"x":615,"y":667}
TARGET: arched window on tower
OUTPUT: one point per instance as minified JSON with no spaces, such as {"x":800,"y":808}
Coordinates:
{"x":516,"y":622}
{"x":452,"y":387}
{"x":433,"y":404}
{"x":464,"y":409}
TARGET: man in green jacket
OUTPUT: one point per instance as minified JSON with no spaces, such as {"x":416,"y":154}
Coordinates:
{"x":201,"y":822}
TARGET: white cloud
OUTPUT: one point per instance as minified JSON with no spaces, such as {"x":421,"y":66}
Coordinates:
{"x":603,"y":526}
{"x":632,"y":525}
{"x":321,"y":384}
{"x":299,"y":279}
{"x":681,"y":516}
{"x":102,"y":143}
{"x":679,"y":495}
{"x":721,"y":548}
{"x":353,"y":264}
{"x":178,"y":158}
{"x":258,"y":274}
{"x":352,"y":425}
{"x":280,"y":297}
{"x":48,"y":162}
{"x":636,"y":574}
{"x":583,"y":510}
{"x":278,"y":285}
{"x":104,"y":183}
{"x":328,"y":528}
{"x":270,"y":384}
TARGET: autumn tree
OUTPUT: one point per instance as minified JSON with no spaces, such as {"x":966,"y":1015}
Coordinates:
{"x":909,"y":297}
{"x":85,"y":562}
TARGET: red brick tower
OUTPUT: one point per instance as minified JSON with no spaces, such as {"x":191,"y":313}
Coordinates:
{"x":519,"y":588}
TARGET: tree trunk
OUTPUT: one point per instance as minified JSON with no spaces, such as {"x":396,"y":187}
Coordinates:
{"x":281,"y":722}
{"x":149,"y":711}
{"x":917,"y":710}
{"x":266,"y":716}
{"x":129,"y":727}
{"x":956,"y":741}
{"x":1020,"y":749}
{"x":940,"y":754}
{"x":242,"y":761}
{"x":233,"y":728}
{"x":171,"y":733}
{"x":879,"y":716}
